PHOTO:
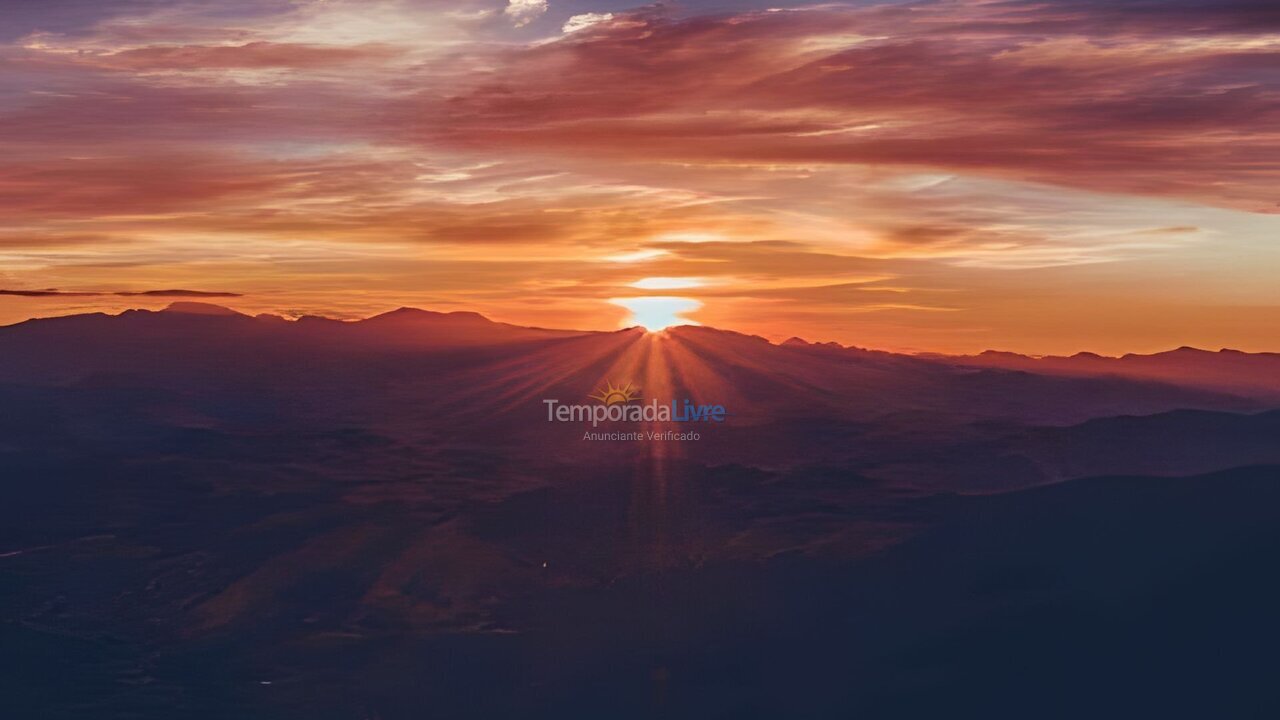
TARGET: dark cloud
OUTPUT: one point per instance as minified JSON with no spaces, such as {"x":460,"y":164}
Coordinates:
{"x":179,"y":293}
{"x":49,"y":293}
{"x":1051,"y":93}
{"x":1192,"y":17}
{"x":53,"y":292}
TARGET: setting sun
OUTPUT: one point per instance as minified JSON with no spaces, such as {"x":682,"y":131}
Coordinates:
{"x":654,"y":313}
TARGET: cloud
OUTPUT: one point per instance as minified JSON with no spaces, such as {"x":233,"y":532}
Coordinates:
{"x":52,"y":292}
{"x":584,"y":21}
{"x":178,"y":293}
{"x":523,"y":12}
{"x":1116,"y":97}
{"x":1001,"y":89}
{"x":347,"y":156}
{"x":254,"y":55}
{"x":48,"y":293}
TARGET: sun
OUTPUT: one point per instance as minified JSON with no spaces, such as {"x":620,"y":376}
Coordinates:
{"x":611,"y":394}
{"x":654,"y":312}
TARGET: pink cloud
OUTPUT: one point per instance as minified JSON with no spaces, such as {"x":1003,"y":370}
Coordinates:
{"x":253,"y":55}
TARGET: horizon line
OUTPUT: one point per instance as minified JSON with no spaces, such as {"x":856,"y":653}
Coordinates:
{"x":925,"y":354}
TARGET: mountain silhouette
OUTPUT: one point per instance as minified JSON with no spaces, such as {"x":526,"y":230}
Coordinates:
{"x":263,"y":517}
{"x":461,"y":357}
{"x":1253,"y":374}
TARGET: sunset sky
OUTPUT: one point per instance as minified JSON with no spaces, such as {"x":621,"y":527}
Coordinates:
{"x":1045,"y":176}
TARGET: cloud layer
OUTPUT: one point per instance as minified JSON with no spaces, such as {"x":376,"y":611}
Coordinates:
{"x":935,"y":175}
{"x":53,"y":292}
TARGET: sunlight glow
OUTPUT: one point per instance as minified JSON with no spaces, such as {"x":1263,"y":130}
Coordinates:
{"x":637,"y":256}
{"x":690,"y":237}
{"x":668,"y":283}
{"x":654,"y":313}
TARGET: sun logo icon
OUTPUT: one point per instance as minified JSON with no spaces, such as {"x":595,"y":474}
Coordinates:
{"x":612,"y":395}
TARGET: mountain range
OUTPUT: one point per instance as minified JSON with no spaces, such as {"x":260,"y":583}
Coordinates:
{"x":215,"y":514}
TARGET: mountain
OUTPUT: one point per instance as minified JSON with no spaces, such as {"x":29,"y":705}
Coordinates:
{"x":343,"y":598}
{"x":1252,"y":374}
{"x":218,"y":515}
{"x":1127,"y":586}
{"x":418,"y":376}
{"x":465,"y":361}
{"x":1178,"y":442}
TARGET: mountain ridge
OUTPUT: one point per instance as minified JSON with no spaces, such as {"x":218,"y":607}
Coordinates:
{"x":207,"y":325}
{"x":480,"y":371}
{"x":410,"y":313}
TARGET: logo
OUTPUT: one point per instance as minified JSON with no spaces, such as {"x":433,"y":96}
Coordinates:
{"x":610,"y":395}
{"x":622,"y":403}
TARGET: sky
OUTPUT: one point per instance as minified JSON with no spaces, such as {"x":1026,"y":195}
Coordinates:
{"x":1043,"y":176}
